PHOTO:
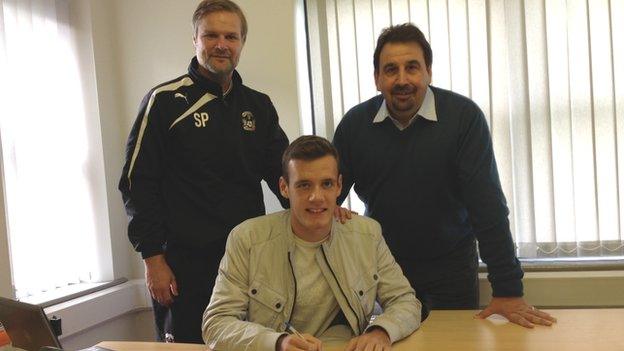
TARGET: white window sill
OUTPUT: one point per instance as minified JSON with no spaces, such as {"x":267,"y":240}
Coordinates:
{"x":573,"y":264}
{"x":66,"y":293}
{"x":87,"y":311}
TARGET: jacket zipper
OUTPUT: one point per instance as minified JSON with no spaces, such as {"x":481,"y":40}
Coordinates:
{"x":340,"y":287}
{"x":292,"y":270}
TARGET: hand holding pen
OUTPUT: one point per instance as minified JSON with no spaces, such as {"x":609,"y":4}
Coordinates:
{"x":297,"y":341}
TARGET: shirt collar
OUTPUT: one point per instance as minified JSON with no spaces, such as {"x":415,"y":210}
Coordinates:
{"x":427,"y":111}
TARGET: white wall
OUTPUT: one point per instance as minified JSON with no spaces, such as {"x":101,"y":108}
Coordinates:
{"x":133,"y":326}
{"x":567,"y":289}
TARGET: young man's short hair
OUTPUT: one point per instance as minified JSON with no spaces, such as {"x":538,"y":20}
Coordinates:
{"x":307,"y":148}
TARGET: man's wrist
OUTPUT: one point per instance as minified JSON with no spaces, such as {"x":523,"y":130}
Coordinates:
{"x":154,"y":260}
{"x":378,"y":330}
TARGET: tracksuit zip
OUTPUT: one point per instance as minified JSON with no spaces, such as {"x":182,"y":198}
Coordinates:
{"x":340,"y":287}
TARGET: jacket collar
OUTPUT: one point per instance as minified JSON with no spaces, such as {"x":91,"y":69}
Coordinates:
{"x":211,"y":86}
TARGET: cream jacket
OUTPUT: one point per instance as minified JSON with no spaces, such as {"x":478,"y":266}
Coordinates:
{"x":255,"y":290}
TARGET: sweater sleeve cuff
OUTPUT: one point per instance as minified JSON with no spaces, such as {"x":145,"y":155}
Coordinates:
{"x":148,"y":252}
{"x":509,"y":288}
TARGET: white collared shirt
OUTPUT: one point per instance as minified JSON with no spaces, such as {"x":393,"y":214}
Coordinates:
{"x":427,"y":111}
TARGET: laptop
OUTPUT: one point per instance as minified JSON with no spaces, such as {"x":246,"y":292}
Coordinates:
{"x":27,"y":325}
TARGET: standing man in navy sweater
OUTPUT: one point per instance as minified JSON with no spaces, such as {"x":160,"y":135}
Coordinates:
{"x":196,"y":154}
{"x":421,"y":159}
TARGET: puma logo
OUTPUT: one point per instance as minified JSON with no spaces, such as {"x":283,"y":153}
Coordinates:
{"x":180,"y":95}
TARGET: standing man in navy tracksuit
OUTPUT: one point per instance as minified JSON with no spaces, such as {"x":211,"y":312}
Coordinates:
{"x":196,"y":154}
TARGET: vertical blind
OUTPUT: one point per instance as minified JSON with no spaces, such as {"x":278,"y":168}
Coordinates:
{"x":549,"y":76}
{"x":49,"y":177}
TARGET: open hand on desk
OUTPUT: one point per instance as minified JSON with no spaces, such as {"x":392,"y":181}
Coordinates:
{"x":376,"y":339}
{"x":517,"y":311}
{"x":294,"y":343}
{"x":160,"y":280}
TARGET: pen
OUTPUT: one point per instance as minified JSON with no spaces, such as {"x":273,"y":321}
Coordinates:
{"x":292,"y":329}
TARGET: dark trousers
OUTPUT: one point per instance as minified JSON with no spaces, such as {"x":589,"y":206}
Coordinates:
{"x":195,"y":271}
{"x":449,"y":282}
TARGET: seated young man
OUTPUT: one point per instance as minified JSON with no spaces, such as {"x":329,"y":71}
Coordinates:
{"x":302,"y":268}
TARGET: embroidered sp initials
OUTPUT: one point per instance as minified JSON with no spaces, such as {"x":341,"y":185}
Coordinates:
{"x":200,"y":119}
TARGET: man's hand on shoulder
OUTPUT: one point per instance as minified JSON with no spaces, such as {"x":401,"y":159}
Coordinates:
{"x":160,"y":280}
{"x":294,"y":343}
{"x":343,"y":214}
{"x":375,"y":339}
{"x":517,"y":311}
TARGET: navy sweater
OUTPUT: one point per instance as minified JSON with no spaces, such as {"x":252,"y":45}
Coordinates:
{"x":433,"y":186}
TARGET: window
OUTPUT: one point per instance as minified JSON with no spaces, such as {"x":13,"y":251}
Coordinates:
{"x":549,"y":76}
{"x":51,"y":151}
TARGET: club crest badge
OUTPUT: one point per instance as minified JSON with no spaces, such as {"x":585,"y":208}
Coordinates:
{"x":249,"y":121}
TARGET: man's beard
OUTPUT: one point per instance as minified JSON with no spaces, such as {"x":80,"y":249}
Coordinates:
{"x":220,"y":70}
{"x":210,"y":66}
